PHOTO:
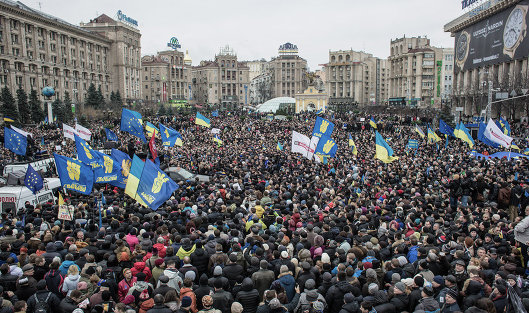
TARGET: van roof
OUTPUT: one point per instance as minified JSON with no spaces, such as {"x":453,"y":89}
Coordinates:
{"x":16,"y":189}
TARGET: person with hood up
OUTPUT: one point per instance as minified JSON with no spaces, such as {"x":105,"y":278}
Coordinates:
{"x":427,"y":303}
{"x":175,"y":281}
{"x":200,"y":259}
{"x":309,"y":296}
{"x":65,"y":265}
{"x":54,"y":279}
{"x":336,"y":293}
{"x":248,"y":297}
{"x":141,"y":267}
{"x":71,"y":281}
{"x":202,"y":290}
{"x":141,"y":287}
{"x":186,"y":249}
{"x":51,"y":252}
{"x":472,"y":294}
{"x":126,"y":284}
{"x":287,"y":281}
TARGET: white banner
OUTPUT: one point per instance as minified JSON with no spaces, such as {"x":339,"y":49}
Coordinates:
{"x":494,"y":134}
{"x":312,"y":147}
{"x":215,"y":131}
{"x":300,"y":143}
{"x":69,"y":131}
{"x":20,"y":131}
{"x":83,"y":132}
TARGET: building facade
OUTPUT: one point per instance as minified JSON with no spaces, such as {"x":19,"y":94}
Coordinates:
{"x":356,"y":78}
{"x":261,"y":88}
{"x":288,"y":71}
{"x":223,"y":82}
{"x":311,"y":100}
{"x":447,"y":76}
{"x":257,"y":68}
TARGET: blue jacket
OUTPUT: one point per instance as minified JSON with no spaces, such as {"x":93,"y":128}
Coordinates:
{"x":412,"y":254}
{"x":66,"y":265}
{"x":289,"y":283}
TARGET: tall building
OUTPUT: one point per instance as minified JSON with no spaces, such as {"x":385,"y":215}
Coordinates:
{"x":355,"y":78}
{"x":223,"y":82}
{"x":166,"y":77}
{"x":257,"y":67}
{"x":261,"y":88}
{"x":413,"y":72}
{"x":289,"y":72}
{"x":447,"y":76}
{"x":124,"y":54}
{"x":491,"y":54}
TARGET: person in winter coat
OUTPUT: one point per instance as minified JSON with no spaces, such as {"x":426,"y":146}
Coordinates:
{"x":427,"y":303}
{"x":287,"y":281}
{"x":141,"y":287}
{"x":43,"y":295}
{"x":351,"y":303}
{"x":200,"y":259}
{"x":472,"y":294}
{"x":71,"y":302}
{"x":126,"y":284}
{"x":159,"y":306}
{"x":222,"y":299}
{"x":400,"y":298}
{"x":499,"y":297}
{"x":263,"y":278}
{"x":141,"y":267}
{"x":51,"y":252}
{"x":175,"y":281}
{"x":232,"y":270}
{"x":71,"y":281}
{"x":270,"y":295}
{"x":54,"y":279}
{"x":336,"y":293}
{"x":65,"y":265}
{"x":248,"y":297}
{"x":309,"y":296}
{"x":187,"y":291}
{"x":450,"y":302}
{"x":202,"y":290}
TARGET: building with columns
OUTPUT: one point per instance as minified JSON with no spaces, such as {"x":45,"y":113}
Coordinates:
{"x":311,"y":100}
{"x":288,"y":72}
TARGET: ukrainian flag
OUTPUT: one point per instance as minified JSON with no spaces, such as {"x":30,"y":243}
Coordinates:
{"x":515,"y":146}
{"x":352,"y":145}
{"x":373,"y":123}
{"x":133,"y":181}
{"x":150,"y":128}
{"x":432,"y":136}
{"x":8,"y":119}
{"x":505,"y":126}
{"x":526,"y":151}
{"x":279,"y":146}
{"x":217,"y":139}
{"x":462,"y":133}
{"x":202,"y":120}
{"x":383,"y":150}
{"x":419,"y":131}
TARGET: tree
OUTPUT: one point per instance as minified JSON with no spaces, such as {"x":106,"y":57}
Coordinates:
{"x":9,"y":107}
{"x":23,"y":108}
{"x":67,"y":106}
{"x":92,"y":97}
{"x":119,"y":101}
{"x":446,"y":115}
{"x":161,"y":110}
{"x":112,"y":97}
{"x":58,"y":110}
{"x":100,"y":97}
{"x":37,"y":115}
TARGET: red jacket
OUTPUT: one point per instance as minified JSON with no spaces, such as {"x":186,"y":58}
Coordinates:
{"x":141,"y":267}
{"x":123,"y":288}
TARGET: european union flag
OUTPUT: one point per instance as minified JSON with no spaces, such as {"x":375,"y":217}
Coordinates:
{"x":322,"y":127}
{"x":215,"y":113}
{"x":124,"y":162}
{"x":110,"y":135}
{"x":74,"y":174}
{"x":131,"y":124}
{"x":326,"y":147}
{"x":170,"y":137}
{"x":108,"y":172}
{"x":86,"y":154}
{"x":33,"y":180}
{"x":155,"y":187}
{"x":445,"y":128}
{"x":15,"y":142}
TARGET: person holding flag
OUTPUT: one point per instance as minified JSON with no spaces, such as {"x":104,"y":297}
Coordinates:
{"x":383,"y":150}
{"x":352,"y":145}
{"x":373,"y":123}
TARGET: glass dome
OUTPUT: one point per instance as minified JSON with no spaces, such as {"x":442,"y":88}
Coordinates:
{"x":273,"y":105}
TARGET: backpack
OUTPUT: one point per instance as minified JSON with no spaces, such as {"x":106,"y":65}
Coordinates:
{"x":110,"y":275}
{"x":312,"y":307}
{"x":42,"y":306}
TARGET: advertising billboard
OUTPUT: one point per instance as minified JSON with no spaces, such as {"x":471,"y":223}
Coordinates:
{"x":499,"y":38}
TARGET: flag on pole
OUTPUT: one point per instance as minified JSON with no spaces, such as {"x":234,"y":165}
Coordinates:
{"x":462,"y":133}
{"x":419,"y":131}
{"x":352,"y":145}
{"x":432,"y":136}
{"x":202,"y":120}
{"x":279,"y":146}
{"x":383,"y":150}
{"x":373,"y":123}
{"x":33,"y":180}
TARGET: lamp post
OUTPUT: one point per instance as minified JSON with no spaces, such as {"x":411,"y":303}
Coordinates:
{"x":48,"y":92}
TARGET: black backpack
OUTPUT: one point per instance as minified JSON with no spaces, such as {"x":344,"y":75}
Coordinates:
{"x":42,"y":306}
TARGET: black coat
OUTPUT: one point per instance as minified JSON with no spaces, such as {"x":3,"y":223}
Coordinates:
{"x":53,"y":301}
{"x":9,"y":282}
{"x":400,"y":302}
{"x":248,"y":296}
{"x":67,"y":305}
{"x":159,"y":309}
{"x":200,"y":259}
{"x":232,"y":272}
{"x":334,"y":297}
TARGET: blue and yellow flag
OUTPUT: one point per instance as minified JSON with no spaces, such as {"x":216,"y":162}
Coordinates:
{"x":504,"y":126}
{"x":170,"y":137}
{"x":217,"y":139}
{"x":124,"y":162}
{"x":15,"y":142}
{"x":74,"y":174}
{"x":322,"y":127}
{"x":86,"y":154}
{"x":215,"y":113}
{"x":154,"y":187}
{"x":320,"y":111}
{"x":110,"y":135}
{"x":33,"y":180}
{"x":383,"y":151}
{"x":150,"y":128}
{"x":202,"y":120}
{"x":445,"y":128}
{"x":515,"y":146}
{"x":352,"y":145}
{"x":419,"y":131}
{"x":8,"y":120}
{"x":326,"y":147}
{"x":131,"y":123}
{"x":133,"y":181}
{"x":279,"y":146}
{"x":109,"y":172}
{"x":373,"y":123}
{"x":462,"y":133}
{"x":432,"y":136}
{"x":413,"y":144}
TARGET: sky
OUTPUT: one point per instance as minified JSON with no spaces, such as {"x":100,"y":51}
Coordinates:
{"x":256,"y":29}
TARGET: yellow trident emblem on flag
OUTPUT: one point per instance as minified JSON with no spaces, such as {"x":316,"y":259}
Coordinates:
{"x":108,"y":165}
{"x":158,"y":183}
{"x":166,"y":133}
{"x":125,"y":168}
{"x":74,"y":170}
{"x":328,"y":146}
{"x":323,"y":126}
{"x":87,"y":151}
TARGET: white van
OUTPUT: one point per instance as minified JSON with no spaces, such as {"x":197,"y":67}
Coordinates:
{"x":16,"y":196}
{"x":40,"y":165}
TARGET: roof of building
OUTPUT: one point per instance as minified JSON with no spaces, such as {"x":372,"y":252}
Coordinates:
{"x":420,"y":50}
{"x":151,"y":60}
{"x":103,"y":18}
{"x":272,"y":105}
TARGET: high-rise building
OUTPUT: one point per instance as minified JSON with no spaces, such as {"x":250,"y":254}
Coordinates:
{"x":447,"y":76}
{"x":223,"y":82}
{"x":355,"y":78}
{"x":288,"y":71}
{"x":257,"y":67}
{"x":414,"y":72}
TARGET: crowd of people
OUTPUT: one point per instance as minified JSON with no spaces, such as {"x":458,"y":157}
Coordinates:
{"x":436,"y":230}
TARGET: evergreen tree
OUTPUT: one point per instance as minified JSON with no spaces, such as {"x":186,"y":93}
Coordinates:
{"x":112,"y":97}
{"x":23,"y":107}
{"x":37,"y":115}
{"x":119,"y":101}
{"x":446,"y":115}
{"x":161,"y":110}
{"x":67,"y":107}
{"x":58,"y":110}
{"x":92,"y":98}
{"x":9,"y":107}
{"x":100,"y":97}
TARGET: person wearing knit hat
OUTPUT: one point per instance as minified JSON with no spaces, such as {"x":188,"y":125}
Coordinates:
{"x":186,"y":303}
{"x":395,"y":278}
{"x":207,"y":302}
{"x":236,"y":307}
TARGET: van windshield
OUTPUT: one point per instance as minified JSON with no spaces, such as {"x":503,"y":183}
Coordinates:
{"x":8,"y":205}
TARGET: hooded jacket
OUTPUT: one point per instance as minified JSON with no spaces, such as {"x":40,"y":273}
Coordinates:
{"x":54,"y":281}
{"x":288,"y":282}
{"x":427,"y":304}
{"x":308,"y":297}
{"x":141,"y":267}
{"x":248,"y":296}
{"x":51,"y":252}
{"x":70,"y":283}
{"x":175,"y":281}
{"x":200,"y":259}
{"x":472,"y":294}
{"x":65,"y":265}
{"x":335,"y":294}
{"x":203,"y":290}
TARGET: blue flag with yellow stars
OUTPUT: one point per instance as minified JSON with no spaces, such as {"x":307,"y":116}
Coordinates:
{"x":15,"y":142}
{"x":74,"y":174}
{"x":155,"y":187}
{"x":33,"y":180}
{"x":322,"y":127}
{"x":131,"y":123}
{"x":110,"y":135}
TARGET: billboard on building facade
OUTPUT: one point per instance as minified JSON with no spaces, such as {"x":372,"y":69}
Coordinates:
{"x":497,"y":39}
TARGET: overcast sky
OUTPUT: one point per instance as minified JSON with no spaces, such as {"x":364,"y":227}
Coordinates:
{"x":255,"y":29}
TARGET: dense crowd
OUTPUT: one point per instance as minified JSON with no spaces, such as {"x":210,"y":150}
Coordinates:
{"x":435,"y":231}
